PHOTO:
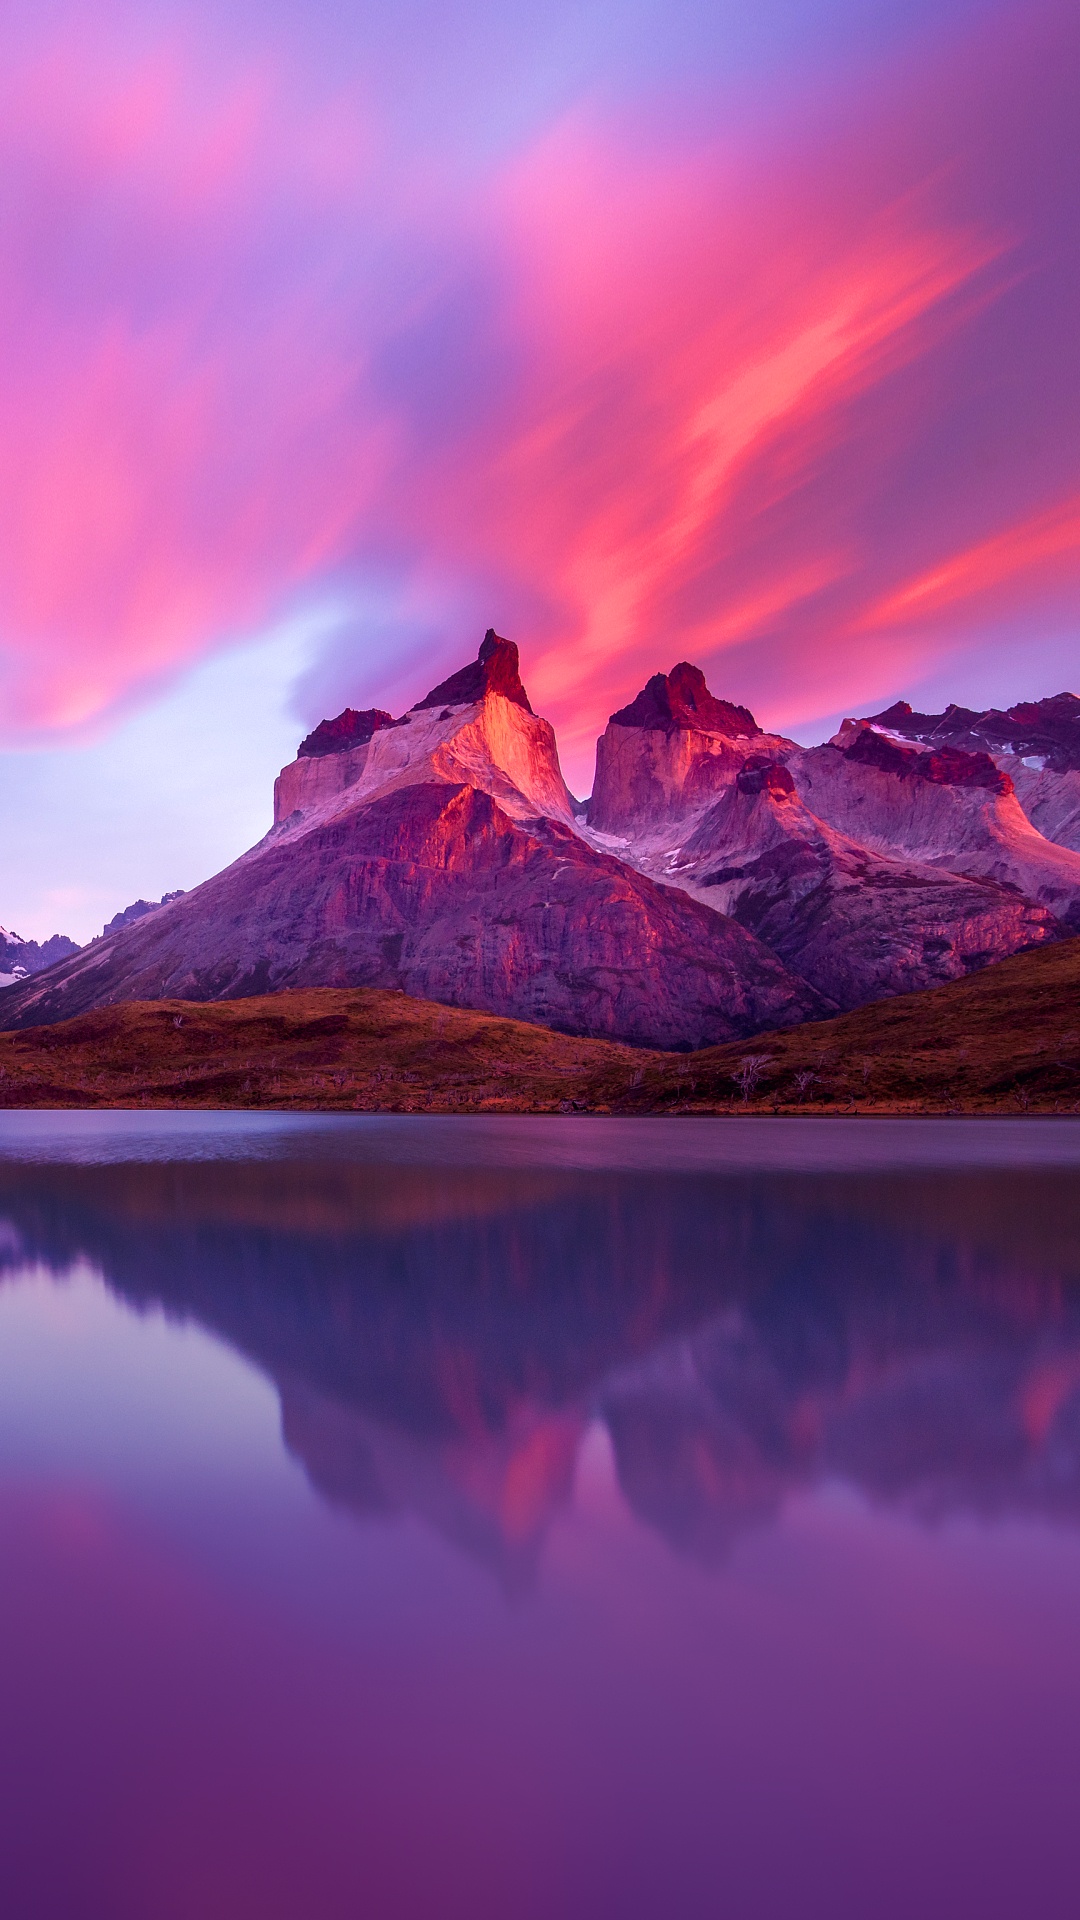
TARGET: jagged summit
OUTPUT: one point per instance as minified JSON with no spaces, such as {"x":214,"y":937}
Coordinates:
{"x":723,"y":879}
{"x":1032,"y":729}
{"x":680,"y":700}
{"x":477,"y":728}
{"x":350,"y":729}
{"x":138,"y":910}
{"x":667,"y":755}
{"x":495,"y":670}
{"x":944,"y":766}
{"x":19,"y":956}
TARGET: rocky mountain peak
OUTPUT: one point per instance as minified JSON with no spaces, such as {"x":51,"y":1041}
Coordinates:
{"x":680,"y":700}
{"x":1047,"y":730}
{"x":495,"y":670}
{"x":137,"y":911}
{"x":349,"y":729}
{"x":19,"y":957}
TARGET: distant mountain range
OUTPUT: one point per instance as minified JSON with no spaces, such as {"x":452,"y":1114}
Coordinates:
{"x":719,"y":881}
{"x":19,"y":958}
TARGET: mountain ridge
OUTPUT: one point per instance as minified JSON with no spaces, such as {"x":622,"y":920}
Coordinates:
{"x":719,"y":882}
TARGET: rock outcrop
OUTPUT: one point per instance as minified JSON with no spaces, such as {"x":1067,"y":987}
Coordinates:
{"x":856,"y":924}
{"x":680,"y":701}
{"x":495,"y":670}
{"x":476,"y":728}
{"x":1036,"y":742}
{"x":138,"y":910}
{"x":349,"y":729}
{"x":944,"y":808}
{"x":666,"y":756}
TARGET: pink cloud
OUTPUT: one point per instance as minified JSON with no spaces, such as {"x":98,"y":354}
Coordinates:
{"x":799,"y":407}
{"x":176,"y":451}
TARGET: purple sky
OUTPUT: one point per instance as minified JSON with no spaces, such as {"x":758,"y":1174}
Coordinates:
{"x":667,"y":329}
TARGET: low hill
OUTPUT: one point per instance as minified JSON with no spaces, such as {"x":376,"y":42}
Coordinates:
{"x":323,"y":1047}
{"x":1007,"y":1040}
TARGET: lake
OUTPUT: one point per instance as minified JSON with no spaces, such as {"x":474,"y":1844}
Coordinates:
{"x":408,"y":1519}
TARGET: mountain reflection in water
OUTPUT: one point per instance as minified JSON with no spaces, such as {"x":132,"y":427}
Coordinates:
{"x":441,"y":1338}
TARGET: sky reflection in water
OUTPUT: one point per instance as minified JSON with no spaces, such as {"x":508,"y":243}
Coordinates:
{"x":402,"y":1520}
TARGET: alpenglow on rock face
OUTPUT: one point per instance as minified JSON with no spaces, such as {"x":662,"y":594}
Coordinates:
{"x":495,"y":670}
{"x":943,"y":807}
{"x":443,"y":860}
{"x":671,"y":702}
{"x":668,"y":754}
{"x":725,"y":879}
{"x":857,"y":924}
{"x":477,"y":727}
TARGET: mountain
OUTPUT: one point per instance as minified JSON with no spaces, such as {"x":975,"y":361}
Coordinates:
{"x":944,"y":806}
{"x":19,"y":957}
{"x":1037,"y":743}
{"x":720,"y":881}
{"x":438,"y":856}
{"x":1048,"y":730}
{"x":667,"y":755}
{"x":476,"y":729}
{"x":691,"y":791}
{"x":854,"y":923}
{"x":138,"y":910}
{"x":1004,"y":1041}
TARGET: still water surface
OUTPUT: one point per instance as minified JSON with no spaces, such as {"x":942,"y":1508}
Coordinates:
{"x":406,"y":1520}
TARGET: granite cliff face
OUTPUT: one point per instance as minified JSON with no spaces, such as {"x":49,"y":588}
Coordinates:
{"x":477,"y":728}
{"x":1037,"y":743}
{"x":666,"y":756}
{"x":447,"y":867}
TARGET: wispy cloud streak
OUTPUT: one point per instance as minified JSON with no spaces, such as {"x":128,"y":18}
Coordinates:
{"x":637,"y":363}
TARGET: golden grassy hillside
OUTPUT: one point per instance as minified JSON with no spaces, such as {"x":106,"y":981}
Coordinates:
{"x":1007,"y":1040}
